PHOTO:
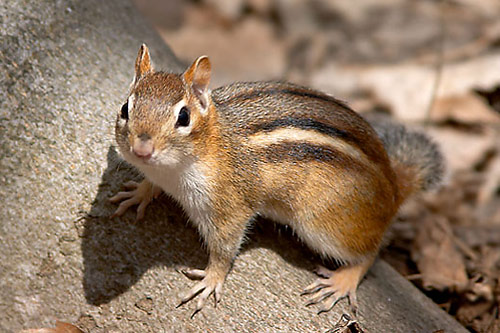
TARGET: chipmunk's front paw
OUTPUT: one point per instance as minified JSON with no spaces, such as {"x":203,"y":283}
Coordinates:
{"x":210,"y":283}
{"x":141,"y":194}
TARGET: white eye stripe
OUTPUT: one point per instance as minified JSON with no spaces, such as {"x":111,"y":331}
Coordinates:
{"x":130,"y":101}
{"x":177,"y":107}
{"x":184,"y":130}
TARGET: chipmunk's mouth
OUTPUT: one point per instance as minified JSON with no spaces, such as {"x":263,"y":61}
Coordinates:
{"x":149,"y":161}
{"x":138,"y":160}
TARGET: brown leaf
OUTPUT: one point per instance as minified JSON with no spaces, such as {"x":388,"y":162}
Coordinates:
{"x":474,"y":236}
{"x":408,"y":89}
{"x":470,"y":311}
{"x":468,"y":108}
{"x":490,"y":258}
{"x":61,"y":327}
{"x":488,"y":191}
{"x":493,"y":327}
{"x":232,"y":56}
{"x":480,"y":288}
{"x":346,"y":325}
{"x":439,"y":261}
{"x":462,"y":150}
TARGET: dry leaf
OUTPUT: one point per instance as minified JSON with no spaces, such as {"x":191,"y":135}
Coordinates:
{"x":475,"y":236}
{"x":462,"y":150}
{"x":493,"y":327}
{"x":440,"y":263}
{"x":480,"y":288}
{"x":408,"y":89}
{"x":492,"y":183}
{"x":232,"y":56}
{"x":61,"y":327}
{"x":468,"y":108}
{"x":470,"y":311}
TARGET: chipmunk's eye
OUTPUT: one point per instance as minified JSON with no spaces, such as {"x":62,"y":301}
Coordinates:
{"x":183,"y":118}
{"x":124,"y":112}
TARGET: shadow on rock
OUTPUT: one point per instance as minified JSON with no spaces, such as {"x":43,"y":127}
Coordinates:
{"x":118,"y":251}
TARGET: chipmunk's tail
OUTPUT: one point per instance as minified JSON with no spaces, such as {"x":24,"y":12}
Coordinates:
{"x":415,"y":158}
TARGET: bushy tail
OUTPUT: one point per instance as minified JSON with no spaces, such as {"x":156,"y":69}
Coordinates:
{"x":416,"y":159}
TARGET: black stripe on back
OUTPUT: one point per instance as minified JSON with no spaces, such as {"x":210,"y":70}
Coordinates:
{"x":257,"y":91}
{"x":305,"y":124}
{"x":302,"y":151}
{"x":310,"y":124}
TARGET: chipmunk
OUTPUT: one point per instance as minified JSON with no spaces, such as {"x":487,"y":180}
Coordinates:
{"x":292,"y":154}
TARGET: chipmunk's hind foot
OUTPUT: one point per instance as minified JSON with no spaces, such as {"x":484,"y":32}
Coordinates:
{"x":335,"y":285}
{"x":209,"y":284}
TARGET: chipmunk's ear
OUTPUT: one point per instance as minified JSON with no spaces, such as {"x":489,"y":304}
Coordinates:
{"x":197,"y":77}
{"x":142,"y":63}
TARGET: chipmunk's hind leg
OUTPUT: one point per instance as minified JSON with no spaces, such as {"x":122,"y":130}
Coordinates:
{"x":337,"y":284}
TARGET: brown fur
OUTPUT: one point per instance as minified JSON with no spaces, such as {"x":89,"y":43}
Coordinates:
{"x":331,"y":179}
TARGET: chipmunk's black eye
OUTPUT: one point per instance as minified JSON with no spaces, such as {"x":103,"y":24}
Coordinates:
{"x":124,"y":113}
{"x":183,"y":118}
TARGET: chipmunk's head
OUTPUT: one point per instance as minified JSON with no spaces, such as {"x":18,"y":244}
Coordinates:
{"x":166,"y":115}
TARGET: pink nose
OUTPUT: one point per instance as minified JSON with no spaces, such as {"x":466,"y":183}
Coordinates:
{"x":143,"y":148}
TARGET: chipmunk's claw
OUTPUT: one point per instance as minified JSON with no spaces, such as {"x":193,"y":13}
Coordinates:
{"x":194,"y":274}
{"x":320,"y":295}
{"x":329,"y":303}
{"x":209,"y":284}
{"x":195,"y":312}
{"x":314,"y":287}
{"x":323,"y":272}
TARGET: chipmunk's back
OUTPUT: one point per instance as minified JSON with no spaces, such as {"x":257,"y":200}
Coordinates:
{"x":247,"y":104}
{"x":263,"y":107}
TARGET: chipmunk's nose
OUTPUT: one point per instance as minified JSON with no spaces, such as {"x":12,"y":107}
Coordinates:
{"x":143,"y":146}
